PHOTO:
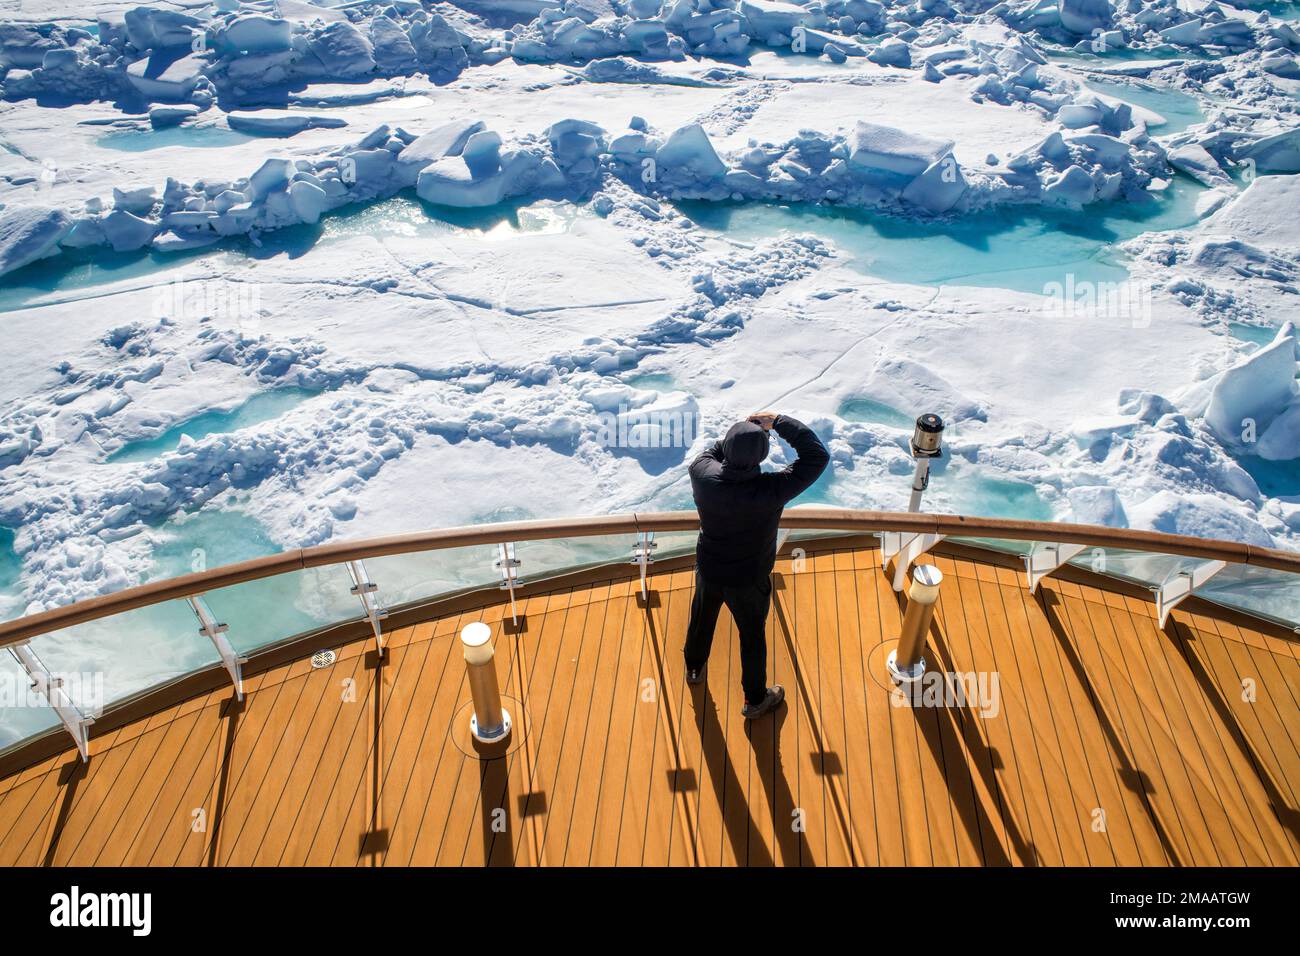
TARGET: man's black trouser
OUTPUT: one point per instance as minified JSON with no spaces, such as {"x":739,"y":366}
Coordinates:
{"x":748,"y":603}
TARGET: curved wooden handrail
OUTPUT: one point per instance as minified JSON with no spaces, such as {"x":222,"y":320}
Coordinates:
{"x":805,"y":518}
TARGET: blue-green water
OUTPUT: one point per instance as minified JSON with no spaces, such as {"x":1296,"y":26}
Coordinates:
{"x":654,"y":381}
{"x":144,"y":647}
{"x":1259,"y":334}
{"x":878,"y":413}
{"x":1178,"y":109}
{"x":208,"y":539}
{"x":262,"y":407}
{"x":1279,"y":11}
{"x":958,"y":486}
{"x":10,"y":567}
{"x":1021,"y":248}
{"x":976,"y":493}
{"x":187,"y":136}
{"x":1276,"y":479}
{"x":74,"y":271}
{"x":955,"y":488}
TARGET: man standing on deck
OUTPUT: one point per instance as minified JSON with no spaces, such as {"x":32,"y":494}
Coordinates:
{"x":740,"y":508}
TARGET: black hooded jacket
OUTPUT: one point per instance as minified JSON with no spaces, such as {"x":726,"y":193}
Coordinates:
{"x":740,"y":505}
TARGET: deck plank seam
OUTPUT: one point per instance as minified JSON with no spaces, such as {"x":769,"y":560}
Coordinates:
{"x":450,"y":640}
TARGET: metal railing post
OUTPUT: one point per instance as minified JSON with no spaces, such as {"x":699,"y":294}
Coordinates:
{"x":366,"y":590}
{"x":1045,"y":559}
{"x":643,"y":555}
{"x":51,"y":688}
{"x":216,"y":633}
{"x":907,"y":661}
{"x":1180,"y":585}
{"x":490,"y":722}
{"x":508,"y":565}
{"x":903,"y":548}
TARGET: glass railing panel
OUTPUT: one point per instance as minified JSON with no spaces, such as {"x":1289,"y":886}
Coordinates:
{"x":269,"y":610}
{"x":1003,"y":545}
{"x":1139,"y":567}
{"x":23,"y":712}
{"x":546,"y":558}
{"x":107,"y":660}
{"x":674,"y":544}
{"x":427,"y":575}
{"x":1271,"y":594}
{"x":817,"y":534}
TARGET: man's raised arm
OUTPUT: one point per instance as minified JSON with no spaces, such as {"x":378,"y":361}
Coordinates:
{"x":796,"y":478}
{"x":711,"y":457}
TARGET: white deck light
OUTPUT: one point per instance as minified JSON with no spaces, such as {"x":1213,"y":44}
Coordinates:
{"x":490,"y":722}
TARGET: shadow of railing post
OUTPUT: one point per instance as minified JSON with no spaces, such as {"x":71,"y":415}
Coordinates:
{"x":974,"y":816}
{"x":1133,"y":778}
{"x":679,"y":772}
{"x":70,"y":778}
{"x":230,"y":711}
{"x":838,"y":798}
{"x":1180,"y":636}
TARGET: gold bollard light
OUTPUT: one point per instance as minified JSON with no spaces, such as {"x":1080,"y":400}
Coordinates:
{"x":907,"y":661}
{"x":490,"y":722}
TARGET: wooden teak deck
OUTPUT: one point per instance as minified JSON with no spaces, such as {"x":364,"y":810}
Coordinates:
{"x":1091,"y":737}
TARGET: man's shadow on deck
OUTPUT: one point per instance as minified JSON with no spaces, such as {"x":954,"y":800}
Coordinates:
{"x":742,"y":831}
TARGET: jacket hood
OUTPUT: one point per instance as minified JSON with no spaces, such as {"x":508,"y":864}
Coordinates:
{"x":743,"y":450}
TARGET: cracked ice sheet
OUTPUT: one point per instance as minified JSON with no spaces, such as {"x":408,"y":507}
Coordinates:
{"x":939,"y":110}
{"x":1047,"y":371}
{"x":40,"y":11}
{"x":447,"y":309}
{"x":587,"y":279}
{"x":1046,"y":380}
{"x":844,"y":324}
{"x":442,"y":484}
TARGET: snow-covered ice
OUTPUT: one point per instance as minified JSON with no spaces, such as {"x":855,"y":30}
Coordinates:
{"x":460,"y":245}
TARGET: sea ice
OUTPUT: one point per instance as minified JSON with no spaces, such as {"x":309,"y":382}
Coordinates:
{"x":440,"y":335}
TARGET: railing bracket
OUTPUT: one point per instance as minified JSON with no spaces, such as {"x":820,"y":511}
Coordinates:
{"x":508,"y":565}
{"x":905,"y":547}
{"x":366,"y":590}
{"x":216,"y":633}
{"x":1043,"y":560}
{"x":1180,"y":585}
{"x":643,"y":556}
{"x":51,"y":688}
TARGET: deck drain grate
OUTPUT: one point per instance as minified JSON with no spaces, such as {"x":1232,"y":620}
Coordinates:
{"x":323,"y":659}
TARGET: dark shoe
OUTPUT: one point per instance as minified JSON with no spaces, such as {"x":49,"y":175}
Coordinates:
{"x":695,"y":675}
{"x":774,"y":699}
